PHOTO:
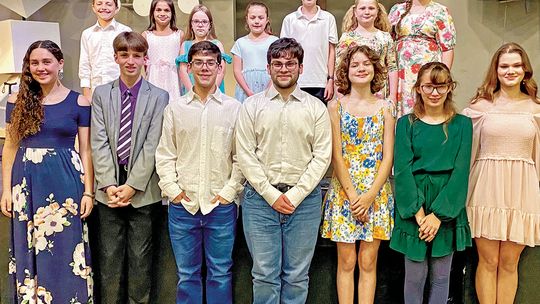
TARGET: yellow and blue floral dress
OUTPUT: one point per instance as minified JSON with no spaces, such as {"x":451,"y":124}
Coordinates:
{"x":362,"y":148}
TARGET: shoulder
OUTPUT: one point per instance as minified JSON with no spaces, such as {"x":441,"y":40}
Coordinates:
{"x":289,"y":18}
{"x":120,"y":27}
{"x":404,"y":121}
{"x":397,"y":8}
{"x":481,"y":105}
{"x":146,"y":33}
{"x":327,"y":15}
{"x":83,"y":101}
{"x":535,"y":106}
{"x":461,"y":119}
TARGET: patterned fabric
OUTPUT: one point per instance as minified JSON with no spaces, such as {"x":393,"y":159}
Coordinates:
{"x":161,"y":70}
{"x":124,"y":139}
{"x":49,"y":254}
{"x":362,"y":148}
{"x":421,"y":39}
{"x":380,"y":42}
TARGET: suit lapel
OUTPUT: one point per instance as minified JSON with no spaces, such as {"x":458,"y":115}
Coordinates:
{"x":140,"y":107}
{"x":115,"y":114}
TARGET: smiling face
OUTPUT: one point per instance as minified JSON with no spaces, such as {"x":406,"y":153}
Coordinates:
{"x":44,"y":67}
{"x":284,"y":71}
{"x":361,"y":70}
{"x":257,"y":19}
{"x":105,"y":10}
{"x":510,"y":70}
{"x":366,"y":12}
{"x":162,"y":13}
{"x":433,"y":94}
{"x":200,"y":24}
{"x":204,"y":68}
{"x":130,"y":62}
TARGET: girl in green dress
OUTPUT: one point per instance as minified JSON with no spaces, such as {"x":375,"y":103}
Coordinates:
{"x":431,"y":165}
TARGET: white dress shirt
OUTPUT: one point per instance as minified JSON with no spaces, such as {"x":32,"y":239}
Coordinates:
{"x":96,"y":61}
{"x":314,"y":35}
{"x":284,"y":141}
{"x":196,"y":152}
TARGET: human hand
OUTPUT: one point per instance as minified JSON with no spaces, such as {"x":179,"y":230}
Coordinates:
{"x":87,"y":204}
{"x":111,"y":194}
{"x":283,"y":205}
{"x":124,"y":194}
{"x":182,"y":196}
{"x":6,"y":204}
{"x":219,"y":199}
{"x":360,"y":206}
{"x":429,"y":227}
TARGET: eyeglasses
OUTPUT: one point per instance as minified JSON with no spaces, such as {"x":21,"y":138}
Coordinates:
{"x":201,"y":22}
{"x":289,"y":65}
{"x":211,"y":64}
{"x":441,"y":88}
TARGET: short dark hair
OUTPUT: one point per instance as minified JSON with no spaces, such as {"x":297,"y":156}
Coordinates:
{"x":126,"y":41}
{"x":204,"y":47}
{"x":285,"y":47}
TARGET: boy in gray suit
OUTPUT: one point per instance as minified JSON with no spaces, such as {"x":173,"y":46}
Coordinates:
{"x":127,"y":115}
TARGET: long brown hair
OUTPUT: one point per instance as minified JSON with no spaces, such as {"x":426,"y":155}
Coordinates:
{"x":439,"y":73}
{"x":342,"y":72}
{"x":268,"y":27}
{"x":190,"y":35}
{"x":27,"y":114}
{"x":491,"y":82}
{"x":408,"y":7}
{"x":172,"y":24}
{"x":350,"y":23}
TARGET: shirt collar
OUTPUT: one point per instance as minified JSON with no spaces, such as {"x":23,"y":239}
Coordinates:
{"x":296,"y":95}
{"x":133,"y":90}
{"x":299,"y":13}
{"x":217,"y":96}
{"x":111,"y":25}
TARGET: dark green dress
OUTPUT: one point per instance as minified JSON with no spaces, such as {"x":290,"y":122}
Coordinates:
{"x":432,"y":171}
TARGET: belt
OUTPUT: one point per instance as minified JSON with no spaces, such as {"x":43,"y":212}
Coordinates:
{"x":282,"y":187}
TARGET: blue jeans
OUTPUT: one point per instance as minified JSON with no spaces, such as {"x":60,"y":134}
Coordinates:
{"x":215,"y":232}
{"x":281,"y":246}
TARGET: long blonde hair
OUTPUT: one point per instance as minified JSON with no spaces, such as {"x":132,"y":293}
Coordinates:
{"x":350,"y":23}
{"x":491,"y":82}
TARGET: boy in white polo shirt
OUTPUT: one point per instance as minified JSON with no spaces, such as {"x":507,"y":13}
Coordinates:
{"x":315,"y":29}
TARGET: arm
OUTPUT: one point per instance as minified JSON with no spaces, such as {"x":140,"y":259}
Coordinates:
{"x":235,"y":183}
{"x":102,"y":156}
{"x":166,"y":157}
{"x":391,"y":65}
{"x":329,"y":89}
{"x":451,"y":199}
{"x":8,"y":157}
{"x":408,"y":199}
{"x":322,"y":153}
{"x":184,"y":76}
{"x":85,"y":69}
{"x":237,"y":70}
{"x":341,"y":170}
{"x":144,"y":165}
{"x":448,"y":58}
{"x":246,"y":145}
{"x":86,"y":157}
{"x":221,"y":72}
{"x":386,"y":164}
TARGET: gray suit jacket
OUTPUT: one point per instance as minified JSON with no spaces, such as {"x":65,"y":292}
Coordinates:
{"x":146,"y":131}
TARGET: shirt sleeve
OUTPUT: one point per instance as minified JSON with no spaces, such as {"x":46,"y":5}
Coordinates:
{"x":166,"y":156}
{"x":391,"y":59}
{"x":236,"y":50}
{"x":408,"y":200}
{"x":332,"y":33}
{"x":9,"y":109}
{"x":451,"y":199}
{"x":446,"y":32}
{"x":85,"y":70}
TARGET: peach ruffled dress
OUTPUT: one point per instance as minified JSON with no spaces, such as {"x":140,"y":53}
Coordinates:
{"x":503,"y":201}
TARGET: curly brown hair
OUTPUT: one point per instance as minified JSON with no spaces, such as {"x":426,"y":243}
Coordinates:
{"x":27,"y":114}
{"x":343,"y":82}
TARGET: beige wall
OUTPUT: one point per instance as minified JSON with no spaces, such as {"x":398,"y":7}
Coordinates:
{"x":482,"y":25}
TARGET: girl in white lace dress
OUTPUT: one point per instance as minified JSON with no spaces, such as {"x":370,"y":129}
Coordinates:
{"x":164,"y":41}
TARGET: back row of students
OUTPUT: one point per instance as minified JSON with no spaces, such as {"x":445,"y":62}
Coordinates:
{"x":414,"y":32}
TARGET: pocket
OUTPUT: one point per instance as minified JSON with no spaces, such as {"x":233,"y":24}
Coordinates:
{"x":221,"y":141}
{"x":249,"y":192}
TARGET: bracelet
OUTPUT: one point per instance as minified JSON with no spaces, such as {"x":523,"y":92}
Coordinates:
{"x":90,"y":195}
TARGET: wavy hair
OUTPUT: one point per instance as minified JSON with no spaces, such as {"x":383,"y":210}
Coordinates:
{"x":491,"y":82}
{"x":350,"y":22}
{"x":172,"y":24}
{"x":190,"y":35}
{"x":343,"y":82}
{"x":397,"y":27}
{"x":27,"y":114}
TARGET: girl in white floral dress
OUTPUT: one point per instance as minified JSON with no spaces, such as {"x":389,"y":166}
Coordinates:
{"x":45,"y":190}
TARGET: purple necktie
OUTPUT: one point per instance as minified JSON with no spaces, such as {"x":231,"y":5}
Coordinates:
{"x":124,"y":139}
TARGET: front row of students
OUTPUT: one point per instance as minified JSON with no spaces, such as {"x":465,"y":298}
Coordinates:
{"x":198,"y":149}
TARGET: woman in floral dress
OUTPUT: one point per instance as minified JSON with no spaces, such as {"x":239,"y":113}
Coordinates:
{"x":366,"y":23}
{"x":359,"y":205}
{"x":424,"y":32}
{"x":45,"y":189}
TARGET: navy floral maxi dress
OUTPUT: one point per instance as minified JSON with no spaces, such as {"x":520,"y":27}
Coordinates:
{"x":49,"y":254}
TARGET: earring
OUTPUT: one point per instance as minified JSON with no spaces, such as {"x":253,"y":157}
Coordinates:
{"x":60,"y":74}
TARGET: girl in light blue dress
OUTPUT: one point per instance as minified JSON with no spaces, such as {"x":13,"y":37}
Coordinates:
{"x":249,"y":52}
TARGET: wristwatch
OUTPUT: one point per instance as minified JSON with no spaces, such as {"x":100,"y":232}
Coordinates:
{"x":329,"y":77}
